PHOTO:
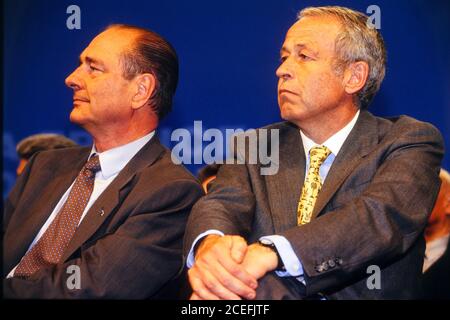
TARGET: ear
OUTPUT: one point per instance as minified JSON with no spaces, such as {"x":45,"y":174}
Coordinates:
{"x":355,"y":76}
{"x":144,"y":86}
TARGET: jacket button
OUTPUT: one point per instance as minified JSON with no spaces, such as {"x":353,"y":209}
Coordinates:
{"x":325,"y":266}
{"x":339,"y":261}
{"x":331,"y":263}
{"x":319,"y":268}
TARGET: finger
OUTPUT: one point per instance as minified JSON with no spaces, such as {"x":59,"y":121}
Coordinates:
{"x":194,"y":296}
{"x":221,"y":253}
{"x":200,"y":290}
{"x":218,"y":272}
{"x":238,"y":249}
{"x":214,"y":285}
{"x":238,"y":271}
{"x":230,"y":283}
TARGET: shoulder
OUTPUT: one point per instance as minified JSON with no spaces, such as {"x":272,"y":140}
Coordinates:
{"x":64,"y":152}
{"x":170,"y":170}
{"x":165,"y":173}
{"x":59,"y":157}
{"x":404,"y":126}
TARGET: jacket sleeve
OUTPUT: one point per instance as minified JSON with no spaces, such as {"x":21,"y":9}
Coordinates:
{"x":228,"y":207}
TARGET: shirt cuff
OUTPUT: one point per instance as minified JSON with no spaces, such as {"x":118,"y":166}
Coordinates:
{"x":291,"y":262}
{"x":191,"y":259}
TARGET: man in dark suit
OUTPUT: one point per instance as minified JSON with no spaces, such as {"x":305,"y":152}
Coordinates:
{"x":343,"y":216}
{"x":106,"y":221}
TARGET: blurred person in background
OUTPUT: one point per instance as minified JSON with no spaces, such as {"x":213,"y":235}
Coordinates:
{"x":28,"y":146}
{"x":207,"y":174}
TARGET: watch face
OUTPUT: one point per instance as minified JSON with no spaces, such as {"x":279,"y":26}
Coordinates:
{"x":266,"y":242}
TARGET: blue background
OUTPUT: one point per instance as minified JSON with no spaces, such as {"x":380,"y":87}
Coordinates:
{"x":228,"y":52}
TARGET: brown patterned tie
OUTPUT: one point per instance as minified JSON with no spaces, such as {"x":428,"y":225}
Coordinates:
{"x":49,"y":249}
{"x":312,"y":185}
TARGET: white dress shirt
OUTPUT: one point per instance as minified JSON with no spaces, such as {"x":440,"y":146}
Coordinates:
{"x":291,"y":261}
{"x":111,"y":162}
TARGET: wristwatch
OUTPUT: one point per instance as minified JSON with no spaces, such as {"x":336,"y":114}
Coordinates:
{"x":269,"y":244}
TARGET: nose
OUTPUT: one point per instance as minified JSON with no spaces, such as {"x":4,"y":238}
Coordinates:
{"x":73,"y":81}
{"x":283,"y":71}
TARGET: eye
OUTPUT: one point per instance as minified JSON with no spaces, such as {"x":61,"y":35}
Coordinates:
{"x":283,"y":59}
{"x":94,"y":68}
{"x":304,"y":57}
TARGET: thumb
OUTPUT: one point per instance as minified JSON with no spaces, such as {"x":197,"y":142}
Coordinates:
{"x":238,"y":249}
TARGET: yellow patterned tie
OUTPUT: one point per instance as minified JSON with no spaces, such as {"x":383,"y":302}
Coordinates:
{"x":312,"y":185}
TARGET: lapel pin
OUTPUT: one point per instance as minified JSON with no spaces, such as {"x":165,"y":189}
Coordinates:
{"x":102,"y":212}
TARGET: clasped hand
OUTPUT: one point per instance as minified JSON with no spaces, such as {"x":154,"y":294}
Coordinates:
{"x":226,"y":267}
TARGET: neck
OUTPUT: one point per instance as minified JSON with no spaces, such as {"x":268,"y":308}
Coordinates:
{"x":117,"y":133}
{"x":108,"y":140}
{"x":320,"y":129}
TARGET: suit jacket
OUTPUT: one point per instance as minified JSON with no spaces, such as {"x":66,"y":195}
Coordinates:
{"x":372,"y":209}
{"x":129,"y":243}
{"x":436,"y":280}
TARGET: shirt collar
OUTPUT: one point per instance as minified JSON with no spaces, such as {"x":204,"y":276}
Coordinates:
{"x":114,"y":160}
{"x":335,"y":142}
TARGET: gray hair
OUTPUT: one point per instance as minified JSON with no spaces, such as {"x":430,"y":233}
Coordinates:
{"x":40,"y":142}
{"x":356,"y":42}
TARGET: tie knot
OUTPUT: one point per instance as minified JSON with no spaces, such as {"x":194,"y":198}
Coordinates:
{"x":93,"y":165}
{"x":318,"y":155}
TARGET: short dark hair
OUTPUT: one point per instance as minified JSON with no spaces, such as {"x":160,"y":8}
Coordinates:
{"x":151,"y":53}
{"x":41,"y":142}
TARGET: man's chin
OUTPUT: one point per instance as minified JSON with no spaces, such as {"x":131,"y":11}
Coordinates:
{"x":77,"y":118}
{"x":293,"y":115}
{"x":287,"y":113}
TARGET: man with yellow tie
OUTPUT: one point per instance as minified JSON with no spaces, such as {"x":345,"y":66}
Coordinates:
{"x":352,"y":194}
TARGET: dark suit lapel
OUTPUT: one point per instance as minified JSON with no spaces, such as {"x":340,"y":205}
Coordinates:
{"x":284,"y":188}
{"x":55,"y":189}
{"x":26,"y":228}
{"x":48,"y":199}
{"x":113,"y":195}
{"x":361,"y":140}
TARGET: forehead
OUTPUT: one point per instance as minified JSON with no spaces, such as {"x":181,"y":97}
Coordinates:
{"x":108,"y":45}
{"x":317,"y":33}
